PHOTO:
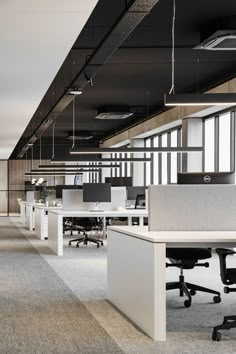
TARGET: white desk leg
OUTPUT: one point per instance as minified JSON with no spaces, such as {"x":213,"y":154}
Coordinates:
{"x":136,"y":281}
{"x":141,"y":221}
{"x":55,"y":233}
{"x":129,"y":220}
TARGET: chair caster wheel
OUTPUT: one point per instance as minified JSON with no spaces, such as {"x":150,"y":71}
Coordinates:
{"x":226,"y":290}
{"x":187,"y":303}
{"x":216,"y":336}
{"x":98,"y":246}
{"x":69,"y":244}
{"x":101,"y":243}
{"x":217,"y":299}
{"x":193,"y":292}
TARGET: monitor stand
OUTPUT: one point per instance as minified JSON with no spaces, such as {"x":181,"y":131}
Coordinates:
{"x":95,"y":207}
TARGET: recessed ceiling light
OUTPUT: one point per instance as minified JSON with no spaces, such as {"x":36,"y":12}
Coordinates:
{"x":76,"y":91}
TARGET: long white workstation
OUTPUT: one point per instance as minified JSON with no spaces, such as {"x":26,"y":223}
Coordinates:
{"x":55,"y":222}
{"x":136,"y":270}
{"x":41,"y":220}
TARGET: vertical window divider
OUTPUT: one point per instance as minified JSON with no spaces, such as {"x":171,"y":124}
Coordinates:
{"x":217,"y":140}
{"x":169,"y":159}
{"x":232,"y":141}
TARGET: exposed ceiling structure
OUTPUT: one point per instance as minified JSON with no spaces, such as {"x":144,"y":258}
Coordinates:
{"x":122,"y":60}
{"x":35,"y":37}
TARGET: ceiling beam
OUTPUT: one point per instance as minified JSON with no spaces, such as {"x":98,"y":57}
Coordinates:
{"x":134,"y":13}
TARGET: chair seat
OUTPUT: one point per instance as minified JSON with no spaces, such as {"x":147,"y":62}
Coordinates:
{"x":231,"y":275}
{"x":188,"y":253}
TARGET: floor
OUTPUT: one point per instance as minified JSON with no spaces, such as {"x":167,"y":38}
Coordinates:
{"x":83,"y":270}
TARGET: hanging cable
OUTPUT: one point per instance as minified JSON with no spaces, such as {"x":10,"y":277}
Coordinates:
{"x":32,"y":157}
{"x":73,"y":124}
{"x":172,"y":90}
{"x":40,"y":150}
{"x":53,"y":137}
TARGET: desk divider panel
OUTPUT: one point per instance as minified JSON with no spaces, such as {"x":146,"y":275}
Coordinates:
{"x":192,"y":208}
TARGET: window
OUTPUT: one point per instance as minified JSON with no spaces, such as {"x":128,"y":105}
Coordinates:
{"x":148,"y":164}
{"x":224,"y":142}
{"x":155,"y":161}
{"x":164,"y":160}
{"x":173,"y":157}
{"x":165,"y":165}
{"x":209,"y":145}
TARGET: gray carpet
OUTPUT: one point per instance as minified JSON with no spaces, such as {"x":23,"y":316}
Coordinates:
{"x":189,"y":330}
{"x":38,"y":312}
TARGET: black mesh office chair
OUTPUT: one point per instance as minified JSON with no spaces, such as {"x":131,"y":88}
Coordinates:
{"x":85,"y":225}
{"x":140,"y":201}
{"x":228,"y":277}
{"x":187,"y":258}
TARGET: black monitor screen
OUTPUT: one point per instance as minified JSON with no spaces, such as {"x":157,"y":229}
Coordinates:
{"x":97,"y":192}
{"x":206,"y":178}
{"x":119,"y":181}
{"x":132,"y":192}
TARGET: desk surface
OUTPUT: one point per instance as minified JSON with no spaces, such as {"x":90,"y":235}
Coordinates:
{"x":176,"y":236}
{"x":111,"y":213}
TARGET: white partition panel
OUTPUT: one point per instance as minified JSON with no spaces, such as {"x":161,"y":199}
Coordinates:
{"x":192,"y":208}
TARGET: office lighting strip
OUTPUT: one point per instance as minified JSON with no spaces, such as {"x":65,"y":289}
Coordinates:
{"x":96,"y":151}
{"x":204,"y":99}
{"x":105,"y":159}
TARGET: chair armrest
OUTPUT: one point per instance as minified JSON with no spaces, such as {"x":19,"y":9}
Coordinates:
{"x":224,"y":251}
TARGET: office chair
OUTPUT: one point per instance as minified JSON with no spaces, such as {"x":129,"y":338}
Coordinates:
{"x":187,"y":258}
{"x":140,"y":201}
{"x":85,"y":225}
{"x":228,"y":277}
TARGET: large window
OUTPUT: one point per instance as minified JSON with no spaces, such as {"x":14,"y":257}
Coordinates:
{"x":224,"y":142}
{"x":219,"y":143}
{"x":210,"y":145}
{"x":164,"y":167}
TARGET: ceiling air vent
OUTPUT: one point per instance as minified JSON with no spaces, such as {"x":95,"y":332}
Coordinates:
{"x":114,"y":112}
{"x":219,"y":40}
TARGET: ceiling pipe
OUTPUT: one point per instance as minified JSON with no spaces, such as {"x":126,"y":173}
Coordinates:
{"x":134,"y":13}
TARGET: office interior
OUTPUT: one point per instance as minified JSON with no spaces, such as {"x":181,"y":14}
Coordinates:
{"x":117,"y":183}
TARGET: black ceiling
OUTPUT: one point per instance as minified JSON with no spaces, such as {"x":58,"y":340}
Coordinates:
{"x":139,"y":72}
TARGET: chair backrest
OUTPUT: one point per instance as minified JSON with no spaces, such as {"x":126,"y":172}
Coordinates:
{"x":223,"y":253}
{"x":140,"y":201}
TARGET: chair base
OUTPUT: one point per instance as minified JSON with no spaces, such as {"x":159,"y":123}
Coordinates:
{"x":228,"y":323}
{"x":190,"y":289}
{"x":85,"y":240}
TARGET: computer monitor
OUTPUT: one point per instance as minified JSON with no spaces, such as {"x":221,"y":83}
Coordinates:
{"x":97,"y":192}
{"x":206,"y":178}
{"x":59,"y":189}
{"x":132,"y":192}
{"x":119,"y":181}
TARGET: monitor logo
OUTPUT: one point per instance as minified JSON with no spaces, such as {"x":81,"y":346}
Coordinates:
{"x":207,"y":179}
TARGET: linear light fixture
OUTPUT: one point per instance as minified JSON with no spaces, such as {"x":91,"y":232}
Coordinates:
{"x":59,"y":173}
{"x":96,"y":151}
{"x":51,"y":167}
{"x":200,"y":99}
{"x":41,"y":171}
{"x":107,"y":159}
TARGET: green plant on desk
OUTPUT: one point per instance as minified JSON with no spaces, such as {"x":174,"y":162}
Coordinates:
{"x":45,"y":193}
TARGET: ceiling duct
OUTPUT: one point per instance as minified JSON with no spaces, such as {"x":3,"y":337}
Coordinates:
{"x":221,"y":35}
{"x":134,"y":13}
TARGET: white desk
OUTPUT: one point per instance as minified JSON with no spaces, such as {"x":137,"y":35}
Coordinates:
{"x":30,"y":217}
{"x":55,"y":222}
{"x":136,"y":270}
{"x":23,"y":212}
{"x":41,"y":220}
